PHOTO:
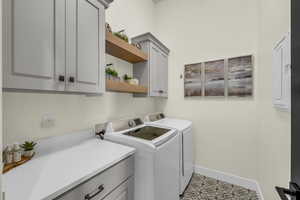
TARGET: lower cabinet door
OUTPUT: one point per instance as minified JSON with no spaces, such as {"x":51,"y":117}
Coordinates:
{"x":123,"y":192}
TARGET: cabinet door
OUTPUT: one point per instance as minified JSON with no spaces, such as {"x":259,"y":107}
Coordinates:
{"x":282,"y":74}
{"x":155,"y":81}
{"x":85,"y":46}
{"x":164,"y":74}
{"x":158,"y":72}
{"x":34,"y":44}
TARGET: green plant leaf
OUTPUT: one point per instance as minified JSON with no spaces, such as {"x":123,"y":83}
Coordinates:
{"x":28,"y":145}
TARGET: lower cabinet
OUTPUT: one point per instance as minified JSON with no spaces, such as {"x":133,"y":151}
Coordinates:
{"x":116,"y":183}
{"x":123,"y":192}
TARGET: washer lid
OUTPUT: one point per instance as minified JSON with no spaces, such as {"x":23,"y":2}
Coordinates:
{"x":151,"y":134}
{"x":147,"y":132}
{"x":124,"y":138}
{"x":178,"y":124}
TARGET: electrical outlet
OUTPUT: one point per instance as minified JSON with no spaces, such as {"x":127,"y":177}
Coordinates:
{"x":48,"y":121}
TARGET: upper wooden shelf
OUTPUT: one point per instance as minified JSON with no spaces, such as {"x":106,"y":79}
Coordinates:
{"x":123,"y":50}
{"x":118,"y":86}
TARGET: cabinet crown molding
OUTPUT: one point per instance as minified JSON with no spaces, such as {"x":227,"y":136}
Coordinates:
{"x":106,"y":2}
{"x":150,"y":37}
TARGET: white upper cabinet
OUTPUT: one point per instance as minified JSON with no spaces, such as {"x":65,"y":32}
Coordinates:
{"x":282,"y":74}
{"x":154,"y":72}
{"x":155,"y":82}
{"x":85,"y":46}
{"x":30,"y":46}
{"x":54,"y":45}
{"x":164,"y":60}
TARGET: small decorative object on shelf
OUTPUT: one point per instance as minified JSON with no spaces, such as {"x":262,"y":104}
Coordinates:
{"x":134,"y":81}
{"x":8,"y":155}
{"x":28,"y":148}
{"x":17,"y":152}
{"x":13,"y":155}
{"x":127,"y":77}
{"x":122,"y":35}
{"x":8,"y":167}
{"x":137,"y":45}
{"x":108,"y":28}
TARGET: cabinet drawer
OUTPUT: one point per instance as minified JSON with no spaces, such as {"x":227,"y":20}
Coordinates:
{"x":123,"y":192}
{"x":102,"y":184}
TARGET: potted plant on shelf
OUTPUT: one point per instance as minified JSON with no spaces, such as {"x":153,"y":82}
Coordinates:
{"x":122,"y":35}
{"x":127,"y":78}
{"x":28,"y":147}
{"x":111,"y":74}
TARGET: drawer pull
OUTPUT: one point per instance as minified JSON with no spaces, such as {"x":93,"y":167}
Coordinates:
{"x":90,"y":196}
{"x":61,"y":78}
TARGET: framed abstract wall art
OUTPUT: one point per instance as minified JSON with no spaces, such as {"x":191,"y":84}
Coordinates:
{"x":192,"y":80}
{"x":240,"y":76}
{"x":214,"y":78}
{"x":220,"y":78}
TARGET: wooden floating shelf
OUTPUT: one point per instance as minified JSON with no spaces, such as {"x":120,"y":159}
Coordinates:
{"x":118,"y":86}
{"x":123,"y":50}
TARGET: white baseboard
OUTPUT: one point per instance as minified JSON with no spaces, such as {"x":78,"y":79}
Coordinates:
{"x":230,"y":178}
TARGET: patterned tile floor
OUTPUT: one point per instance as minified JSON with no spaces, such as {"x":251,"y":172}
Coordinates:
{"x":204,"y":188}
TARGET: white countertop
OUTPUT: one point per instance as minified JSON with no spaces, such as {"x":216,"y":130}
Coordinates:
{"x":50,"y":175}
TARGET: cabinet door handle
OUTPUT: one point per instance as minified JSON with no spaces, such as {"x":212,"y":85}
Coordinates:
{"x":71,"y":79}
{"x":182,"y":152}
{"x":90,"y":196}
{"x":161,"y":91}
{"x":61,"y":78}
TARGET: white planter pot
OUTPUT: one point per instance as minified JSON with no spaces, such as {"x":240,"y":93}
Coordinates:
{"x":28,"y":153}
{"x":133,"y":81}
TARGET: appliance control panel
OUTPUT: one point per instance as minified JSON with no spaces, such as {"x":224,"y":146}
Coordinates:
{"x":156,"y":117}
{"x":135,"y":122}
{"x":138,"y":121}
{"x":120,"y":125}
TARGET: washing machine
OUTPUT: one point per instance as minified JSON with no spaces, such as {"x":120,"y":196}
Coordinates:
{"x":186,"y":161}
{"x":156,"y":158}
